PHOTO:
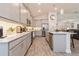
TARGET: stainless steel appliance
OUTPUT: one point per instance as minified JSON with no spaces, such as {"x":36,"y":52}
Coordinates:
{"x":43,"y":32}
{"x":44,"y":29}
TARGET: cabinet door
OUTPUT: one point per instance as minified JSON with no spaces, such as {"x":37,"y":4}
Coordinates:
{"x":17,"y":51}
{"x":10,"y":11}
{"x":21,"y":48}
{"x":29,"y":40}
{"x":24,"y":47}
{"x":23,"y":14}
{"x":14,"y":11}
{"x":26,"y":43}
{"x":5,"y":10}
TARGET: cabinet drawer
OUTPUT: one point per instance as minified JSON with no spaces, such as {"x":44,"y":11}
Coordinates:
{"x":14,"y":43}
{"x":21,"y":48}
{"x":17,"y":41}
{"x":17,"y":51}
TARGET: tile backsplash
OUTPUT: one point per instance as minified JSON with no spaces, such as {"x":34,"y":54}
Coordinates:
{"x":8,"y":27}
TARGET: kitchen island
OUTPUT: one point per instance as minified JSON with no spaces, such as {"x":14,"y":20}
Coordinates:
{"x":16,"y":44}
{"x":61,"y":41}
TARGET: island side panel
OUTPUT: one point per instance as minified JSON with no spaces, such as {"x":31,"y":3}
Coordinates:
{"x":3,"y":49}
{"x":59,"y":42}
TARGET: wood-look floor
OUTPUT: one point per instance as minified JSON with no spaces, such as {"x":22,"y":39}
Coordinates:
{"x":40,"y":47}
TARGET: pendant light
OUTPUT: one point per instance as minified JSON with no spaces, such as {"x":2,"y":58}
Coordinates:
{"x":61,"y":11}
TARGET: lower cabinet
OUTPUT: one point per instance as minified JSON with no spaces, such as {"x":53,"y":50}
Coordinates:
{"x":21,"y":48}
{"x":17,"y":51}
{"x":17,"y":47}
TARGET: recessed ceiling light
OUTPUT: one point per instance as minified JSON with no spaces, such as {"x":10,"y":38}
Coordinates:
{"x":15,"y":4}
{"x":55,"y":8}
{"x":23,"y":11}
{"x":39,"y":10}
{"x":39,"y":3}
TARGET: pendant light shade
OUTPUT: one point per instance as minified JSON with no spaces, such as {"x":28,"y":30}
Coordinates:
{"x":61,"y":11}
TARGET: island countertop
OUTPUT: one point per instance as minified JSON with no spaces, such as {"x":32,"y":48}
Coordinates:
{"x":12,"y":37}
{"x":62,"y":33}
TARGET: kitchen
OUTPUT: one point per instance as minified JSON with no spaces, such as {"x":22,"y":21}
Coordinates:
{"x":47,"y":23}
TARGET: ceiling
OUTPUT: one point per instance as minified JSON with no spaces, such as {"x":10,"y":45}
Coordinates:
{"x":44,"y":8}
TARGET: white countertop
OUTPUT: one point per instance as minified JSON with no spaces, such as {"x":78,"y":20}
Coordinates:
{"x":12,"y":37}
{"x":62,"y":33}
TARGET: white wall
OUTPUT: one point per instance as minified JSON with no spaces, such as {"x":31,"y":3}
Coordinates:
{"x":66,"y":16}
{"x":64,"y":20}
{"x":41,"y":17}
{"x":67,"y":19}
{"x":39,"y":22}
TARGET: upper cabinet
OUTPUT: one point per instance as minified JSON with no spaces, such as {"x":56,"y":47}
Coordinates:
{"x":9,"y":11}
{"x":24,"y":14}
{"x":14,"y":12}
{"x":5,"y":10}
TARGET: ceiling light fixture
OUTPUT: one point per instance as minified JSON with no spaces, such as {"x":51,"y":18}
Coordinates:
{"x":39,"y":10}
{"x":61,"y":11}
{"x":15,"y":4}
{"x":55,"y":9}
{"x":23,"y":11}
{"x":39,"y":3}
